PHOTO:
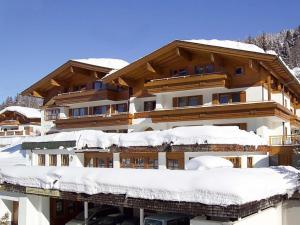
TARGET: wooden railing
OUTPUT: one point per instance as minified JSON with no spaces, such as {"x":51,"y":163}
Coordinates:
{"x":285,"y":140}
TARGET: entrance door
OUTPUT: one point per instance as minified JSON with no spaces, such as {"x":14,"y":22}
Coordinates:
{"x":15,"y":213}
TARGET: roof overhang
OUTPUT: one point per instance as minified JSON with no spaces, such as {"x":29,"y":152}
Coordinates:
{"x":272,"y":63}
{"x":69,"y":65}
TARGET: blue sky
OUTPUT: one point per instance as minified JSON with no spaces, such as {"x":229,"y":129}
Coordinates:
{"x":36,"y":36}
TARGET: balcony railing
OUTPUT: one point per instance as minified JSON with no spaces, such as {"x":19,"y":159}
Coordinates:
{"x":285,"y":140}
{"x":217,"y":79}
{"x":90,"y":95}
{"x":14,"y":133}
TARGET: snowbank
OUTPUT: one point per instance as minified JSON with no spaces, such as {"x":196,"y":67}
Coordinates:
{"x":208,"y":162}
{"x":13,"y":155}
{"x":25,"y":111}
{"x":177,"y":136}
{"x":219,"y":186}
{"x":296,"y":71}
{"x":104,"y":62}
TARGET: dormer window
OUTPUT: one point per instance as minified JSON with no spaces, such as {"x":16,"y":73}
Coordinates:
{"x":239,"y":71}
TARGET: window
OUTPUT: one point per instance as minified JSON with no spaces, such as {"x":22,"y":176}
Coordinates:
{"x":239,"y":71}
{"x":126,"y":163}
{"x":89,"y":162}
{"x":149,"y":105}
{"x":249,"y":162}
{"x":59,"y":207}
{"x":79,"y":112}
{"x":52,"y":160}
{"x":139,"y":163}
{"x":173,"y":164}
{"x":182,"y":72}
{"x":98,"y":110}
{"x":153,"y":164}
{"x":101,"y":163}
{"x":188,"y":101}
{"x":226,"y":98}
{"x":52,"y":114}
{"x":41,"y":160}
{"x":199,"y":69}
{"x":65,"y":160}
{"x":209,"y":68}
{"x":98,"y":85}
{"x":121,"y":107}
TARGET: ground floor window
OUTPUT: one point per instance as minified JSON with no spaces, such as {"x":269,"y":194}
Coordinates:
{"x":65,"y":161}
{"x":98,"y":159}
{"x":139,"y":160}
{"x":175,"y":160}
{"x":41,"y":160}
{"x":52,"y":160}
{"x":173,"y":164}
{"x":249,"y":162}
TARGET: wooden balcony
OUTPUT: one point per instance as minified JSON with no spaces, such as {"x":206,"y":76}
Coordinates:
{"x":94,"y":121}
{"x":186,"y":83}
{"x":90,"y":95}
{"x":226,"y":111}
{"x":9,"y":123}
{"x":283,"y":140}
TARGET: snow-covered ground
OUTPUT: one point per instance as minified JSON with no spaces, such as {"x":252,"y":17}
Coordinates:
{"x":217,"y":186}
{"x":176,"y":136}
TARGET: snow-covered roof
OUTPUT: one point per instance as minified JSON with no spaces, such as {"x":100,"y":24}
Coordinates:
{"x":25,"y":111}
{"x":229,"y":44}
{"x":176,"y":136}
{"x":218,"y":186}
{"x":104,"y":62}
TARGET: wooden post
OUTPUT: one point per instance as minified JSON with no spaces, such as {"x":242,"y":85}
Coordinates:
{"x":141,"y":216}
{"x":269,"y":88}
{"x":86,"y":213}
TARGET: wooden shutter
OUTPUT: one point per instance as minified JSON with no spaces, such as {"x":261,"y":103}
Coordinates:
{"x":175,"y":102}
{"x":215,"y":99}
{"x":70,"y":112}
{"x":113,"y":108}
{"x":200,"y":99}
{"x":243,"y":96}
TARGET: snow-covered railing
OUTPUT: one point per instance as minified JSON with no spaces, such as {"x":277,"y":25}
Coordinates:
{"x":285,"y":140}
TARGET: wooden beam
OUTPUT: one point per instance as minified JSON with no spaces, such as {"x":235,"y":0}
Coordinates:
{"x":153,"y":69}
{"x":37,"y":94}
{"x":54,"y":83}
{"x":95,"y":74}
{"x":253,"y":65}
{"x":71,"y":69}
{"x":184,"y":54}
{"x":269,"y":88}
{"x":121,"y":81}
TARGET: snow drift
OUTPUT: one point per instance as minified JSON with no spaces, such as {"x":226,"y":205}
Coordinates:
{"x":218,"y":186}
{"x":176,"y":136}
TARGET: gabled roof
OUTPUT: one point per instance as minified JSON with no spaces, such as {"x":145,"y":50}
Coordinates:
{"x":269,"y":60}
{"x":100,"y":65}
{"x":30,"y":113}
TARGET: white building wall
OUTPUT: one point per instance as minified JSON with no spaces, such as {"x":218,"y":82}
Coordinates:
{"x":34,"y":210}
{"x":6,"y":206}
{"x":270,"y":216}
{"x":291,"y":212}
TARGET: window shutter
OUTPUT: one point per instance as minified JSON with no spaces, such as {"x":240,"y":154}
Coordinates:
{"x":70,"y":112}
{"x":113,"y":108}
{"x":200,"y":99}
{"x":215,"y":99}
{"x":125,"y":107}
{"x":175,"y":102}
{"x":243,"y":96}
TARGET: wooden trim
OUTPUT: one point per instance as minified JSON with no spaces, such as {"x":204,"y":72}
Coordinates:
{"x":225,"y":111}
{"x":94,"y":121}
{"x":186,"y":83}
